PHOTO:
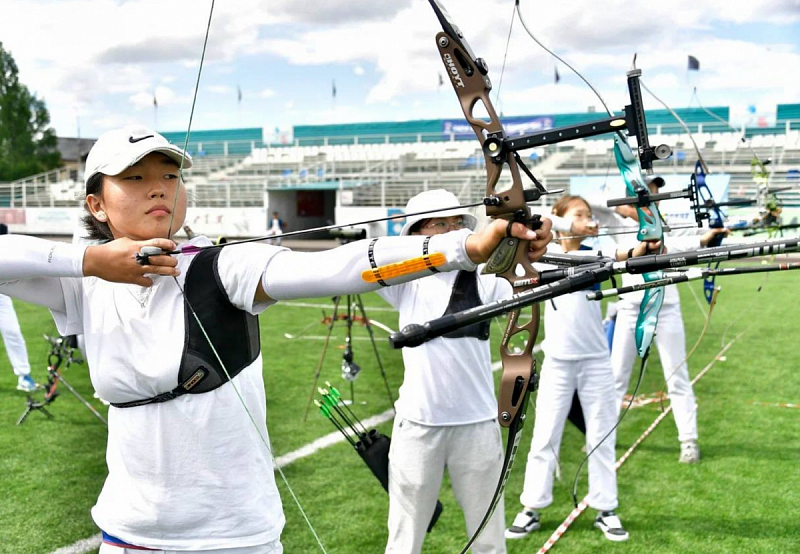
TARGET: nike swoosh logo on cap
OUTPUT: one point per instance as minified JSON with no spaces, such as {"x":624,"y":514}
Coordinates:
{"x":135,"y":140}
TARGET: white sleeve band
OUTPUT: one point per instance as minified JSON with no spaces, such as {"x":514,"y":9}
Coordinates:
{"x":29,"y":257}
{"x":338,"y":271}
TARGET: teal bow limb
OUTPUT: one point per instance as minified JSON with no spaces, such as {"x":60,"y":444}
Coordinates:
{"x":650,"y":227}
{"x":647,"y":321}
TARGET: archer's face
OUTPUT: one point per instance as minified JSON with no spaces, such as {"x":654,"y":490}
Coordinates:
{"x":138,"y":202}
{"x":578,"y":210}
{"x":441,"y":225}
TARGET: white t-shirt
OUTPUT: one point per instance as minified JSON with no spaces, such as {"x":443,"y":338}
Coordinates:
{"x":447,"y":381}
{"x":573,"y":330}
{"x":190,"y":473}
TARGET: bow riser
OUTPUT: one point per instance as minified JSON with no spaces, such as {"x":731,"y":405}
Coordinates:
{"x":519,"y":368}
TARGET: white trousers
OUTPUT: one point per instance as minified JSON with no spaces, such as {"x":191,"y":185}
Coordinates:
{"x":274,"y":232}
{"x":594,"y":381}
{"x":12,"y":337}
{"x":418,"y":457}
{"x":670,"y":339}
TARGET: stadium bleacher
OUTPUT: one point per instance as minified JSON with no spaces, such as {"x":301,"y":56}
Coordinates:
{"x":383,"y":164}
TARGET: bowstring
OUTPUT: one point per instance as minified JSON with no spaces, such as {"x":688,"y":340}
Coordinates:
{"x":503,"y":68}
{"x":682,"y":124}
{"x":556,"y":56}
{"x":250,"y":416}
{"x":647,"y":352}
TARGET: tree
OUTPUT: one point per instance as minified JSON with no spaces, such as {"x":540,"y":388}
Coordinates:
{"x":28,"y":145}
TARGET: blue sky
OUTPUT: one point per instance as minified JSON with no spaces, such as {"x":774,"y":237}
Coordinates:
{"x":99,"y":62}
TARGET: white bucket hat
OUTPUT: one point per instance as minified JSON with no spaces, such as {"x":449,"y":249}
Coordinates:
{"x":434,"y":200}
{"x":117,"y":150}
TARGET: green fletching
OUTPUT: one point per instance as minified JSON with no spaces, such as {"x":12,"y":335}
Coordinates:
{"x":328,"y":401}
{"x":323,"y":409}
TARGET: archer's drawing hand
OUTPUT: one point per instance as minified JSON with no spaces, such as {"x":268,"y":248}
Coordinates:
{"x":115,"y":261}
{"x":481,"y":244}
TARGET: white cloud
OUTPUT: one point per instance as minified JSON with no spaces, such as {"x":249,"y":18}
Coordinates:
{"x":112,"y":55}
{"x":165,"y":97}
{"x":267,"y":93}
{"x":219,"y":89}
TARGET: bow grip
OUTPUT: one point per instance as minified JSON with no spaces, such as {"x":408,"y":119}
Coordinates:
{"x":503,"y":256}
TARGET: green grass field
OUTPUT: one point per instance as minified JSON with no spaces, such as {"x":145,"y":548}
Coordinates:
{"x":742,"y":497}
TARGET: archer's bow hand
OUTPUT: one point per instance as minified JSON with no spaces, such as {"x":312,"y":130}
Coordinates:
{"x":481,"y":244}
{"x":116,"y":261}
{"x":706,"y":239}
{"x":644,"y":248}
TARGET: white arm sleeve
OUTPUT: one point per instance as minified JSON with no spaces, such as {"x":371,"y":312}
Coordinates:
{"x":29,"y":257}
{"x":45,"y":291}
{"x":290,"y":275}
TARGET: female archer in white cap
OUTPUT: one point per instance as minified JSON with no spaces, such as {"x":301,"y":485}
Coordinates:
{"x":187,"y":470}
{"x":447,"y":409}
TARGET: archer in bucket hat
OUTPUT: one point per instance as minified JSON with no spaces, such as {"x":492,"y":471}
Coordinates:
{"x":436,"y":199}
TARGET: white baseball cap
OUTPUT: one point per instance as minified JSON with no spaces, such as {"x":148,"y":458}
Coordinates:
{"x":433,"y":200}
{"x":117,"y":150}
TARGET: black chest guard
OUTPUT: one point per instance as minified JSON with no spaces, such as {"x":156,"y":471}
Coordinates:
{"x":232,"y":331}
{"x":464,"y":296}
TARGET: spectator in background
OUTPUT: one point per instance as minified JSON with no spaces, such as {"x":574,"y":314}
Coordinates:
{"x":276,"y":228}
{"x":13,"y":339}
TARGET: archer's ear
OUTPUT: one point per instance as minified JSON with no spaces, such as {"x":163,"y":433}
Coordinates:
{"x":96,"y":207}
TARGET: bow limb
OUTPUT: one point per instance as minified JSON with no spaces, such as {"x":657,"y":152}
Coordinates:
{"x":650,"y":229}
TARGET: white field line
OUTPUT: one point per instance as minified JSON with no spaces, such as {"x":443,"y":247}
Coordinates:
{"x":330,"y":306}
{"x":93,"y":543}
{"x":82,"y":546}
{"x":328,"y":440}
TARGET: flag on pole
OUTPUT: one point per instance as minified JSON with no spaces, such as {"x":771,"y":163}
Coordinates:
{"x":333,"y":89}
{"x":441,"y":79}
{"x":155,"y":101}
{"x":239,"y":93}
{"x":557,"y":77}
{"x":694,"y":64}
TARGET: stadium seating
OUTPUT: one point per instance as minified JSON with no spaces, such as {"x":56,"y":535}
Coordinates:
{"x":236,"y":167}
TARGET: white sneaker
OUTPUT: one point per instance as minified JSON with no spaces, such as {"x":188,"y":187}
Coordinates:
{"x":26,"y":383}
{"x":690,"y":453}
{"x":525,"y":523}
{"x":611,"y":526}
